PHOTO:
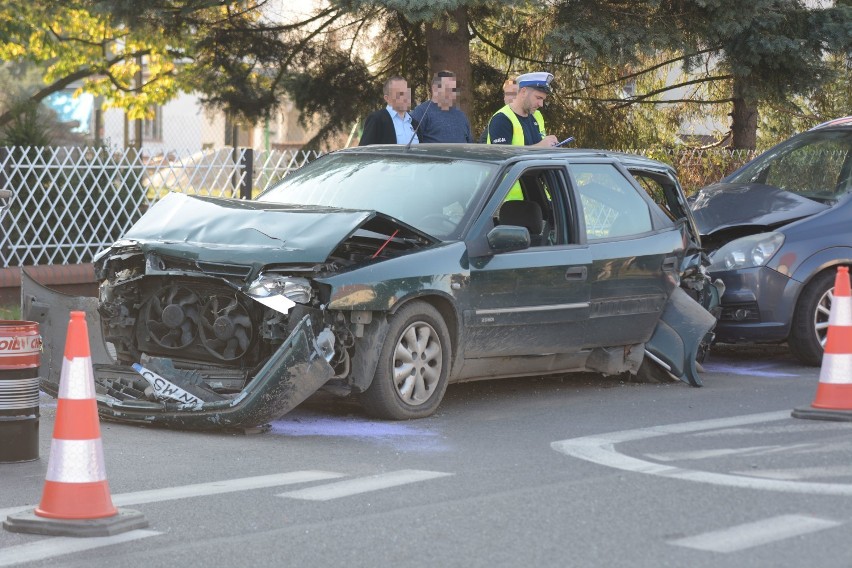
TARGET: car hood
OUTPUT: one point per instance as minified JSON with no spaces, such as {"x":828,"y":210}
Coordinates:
{"x":226,"y":230}
{"x":726,"y":205}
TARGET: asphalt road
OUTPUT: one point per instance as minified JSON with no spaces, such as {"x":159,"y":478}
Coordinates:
{"x":575,"y":470}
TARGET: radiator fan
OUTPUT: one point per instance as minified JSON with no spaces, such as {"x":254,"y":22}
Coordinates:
{"x":171,"y":316}
{"x":225,"y":327}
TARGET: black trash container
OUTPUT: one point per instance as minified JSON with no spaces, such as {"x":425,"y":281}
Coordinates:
{"x":20,"y":358}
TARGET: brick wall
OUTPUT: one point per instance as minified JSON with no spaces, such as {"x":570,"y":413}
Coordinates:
{"x":72,"y":279}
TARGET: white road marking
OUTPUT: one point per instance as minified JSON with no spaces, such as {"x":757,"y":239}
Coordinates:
{"x":799,"y":426}
{"x":363,"y":484}
{"x":600,"y":449}
{"x":754,"y":534}
{"x":226,"y":486}
{"x":58,"y":546}
{"x":722,"y":452}
{"x":203,"y":489}
{"x":801,"y":472}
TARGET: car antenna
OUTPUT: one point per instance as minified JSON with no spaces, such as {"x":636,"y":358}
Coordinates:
{"x":413,"y":134}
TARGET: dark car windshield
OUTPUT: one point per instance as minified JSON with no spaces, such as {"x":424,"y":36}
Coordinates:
{"x":816,"y":164}
{"x":433,"y":195}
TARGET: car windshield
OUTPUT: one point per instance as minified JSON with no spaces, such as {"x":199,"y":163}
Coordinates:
{"x":817,"y":165}
{"x":433,"y":195}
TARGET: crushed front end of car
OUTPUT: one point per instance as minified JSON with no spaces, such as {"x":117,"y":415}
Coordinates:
{"x":213,"y":322}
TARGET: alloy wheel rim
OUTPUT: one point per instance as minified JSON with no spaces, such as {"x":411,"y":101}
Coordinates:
{"x":821,"y":315}
{"x":417,"y":363}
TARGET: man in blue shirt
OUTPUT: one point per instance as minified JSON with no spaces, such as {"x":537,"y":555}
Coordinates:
{"x":392,"y":124}
{"x":439,"y":120}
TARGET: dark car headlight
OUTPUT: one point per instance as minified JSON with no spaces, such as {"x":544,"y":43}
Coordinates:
{"x":274,"y":290}
{"x":746,"y":252}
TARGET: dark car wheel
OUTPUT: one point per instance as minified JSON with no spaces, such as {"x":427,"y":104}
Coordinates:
{"x":810,"y":322}
{"x":414,"y":364}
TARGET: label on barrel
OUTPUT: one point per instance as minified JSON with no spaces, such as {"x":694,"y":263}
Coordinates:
{"x":20,"y":345}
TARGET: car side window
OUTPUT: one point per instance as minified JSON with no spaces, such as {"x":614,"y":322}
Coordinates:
{"x":536,"y":202}
{"x":813,"y":170}
{"x":612,"y":207}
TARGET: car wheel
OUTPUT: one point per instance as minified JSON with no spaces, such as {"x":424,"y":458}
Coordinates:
{"x":414,"y":364}
{"x":810,"y":321}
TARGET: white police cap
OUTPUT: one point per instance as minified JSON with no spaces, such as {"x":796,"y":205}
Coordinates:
{"x":539,"y":80}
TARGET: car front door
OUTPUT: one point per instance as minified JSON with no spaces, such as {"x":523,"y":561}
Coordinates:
{"x":532,"y":301}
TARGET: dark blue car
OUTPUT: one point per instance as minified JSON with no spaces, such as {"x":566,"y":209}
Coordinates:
{"x":778,"y":228}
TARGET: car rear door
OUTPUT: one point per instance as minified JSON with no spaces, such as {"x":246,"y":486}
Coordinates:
{"x":635,"y":254}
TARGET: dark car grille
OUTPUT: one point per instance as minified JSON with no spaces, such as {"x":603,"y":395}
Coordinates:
{"x":219,"y":269}
{"x":223,"y":270}
{"x":742,"y":312}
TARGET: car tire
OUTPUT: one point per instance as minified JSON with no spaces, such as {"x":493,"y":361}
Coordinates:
{"x":414,"y":365}
{"x":810,"y":320}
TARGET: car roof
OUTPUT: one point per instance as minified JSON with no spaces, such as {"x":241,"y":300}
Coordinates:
{"x":837,"y":122}
{"x":504,"y":152}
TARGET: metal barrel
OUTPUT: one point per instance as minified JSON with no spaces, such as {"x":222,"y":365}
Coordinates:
{"x":20,"y":358}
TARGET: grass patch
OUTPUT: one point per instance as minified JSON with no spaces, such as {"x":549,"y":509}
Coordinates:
{"x":10,"y":312}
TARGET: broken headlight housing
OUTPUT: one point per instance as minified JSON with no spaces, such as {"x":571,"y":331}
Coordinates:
{"x":280,"y":292}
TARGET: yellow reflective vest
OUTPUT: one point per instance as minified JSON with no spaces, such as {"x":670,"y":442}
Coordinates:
{"x":517,"y":140}
{"x":517,"y":129}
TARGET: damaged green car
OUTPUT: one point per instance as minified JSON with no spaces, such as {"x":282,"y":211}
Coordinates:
{"x":387,"y":273}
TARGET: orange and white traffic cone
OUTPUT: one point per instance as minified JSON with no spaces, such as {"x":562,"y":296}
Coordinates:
{"x":833,"y":399}
{"x":76,"y":500}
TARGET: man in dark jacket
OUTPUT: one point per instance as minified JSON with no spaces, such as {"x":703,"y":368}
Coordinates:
{"x":392,"y":124}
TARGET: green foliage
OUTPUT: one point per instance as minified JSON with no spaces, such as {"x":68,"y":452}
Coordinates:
{"x":28,"y":127}
{"x":778,"y":44}
{"x":833,"y":99}
{"x":698,"y":167}
{"x":30,"y":123}
{"x":333,"y":89}
{"x":246,"y":65}
{"x":424,"y":10}
{"x":10,"y":313}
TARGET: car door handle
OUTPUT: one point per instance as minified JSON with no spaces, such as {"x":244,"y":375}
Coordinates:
{"x":670,"y":264}
{"x":576,"y":273}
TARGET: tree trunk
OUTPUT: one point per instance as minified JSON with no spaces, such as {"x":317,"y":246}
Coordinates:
{"x":743,"y":115}
{"x":448,"y":43}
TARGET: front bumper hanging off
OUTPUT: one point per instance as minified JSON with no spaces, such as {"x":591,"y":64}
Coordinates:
{"x":294,"y":372}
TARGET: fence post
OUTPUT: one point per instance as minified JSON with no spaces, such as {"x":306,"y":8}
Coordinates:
{"x":5,"y":211}
{"x":248,"y":175}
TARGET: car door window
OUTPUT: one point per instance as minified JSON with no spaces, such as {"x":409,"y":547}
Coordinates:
{"x":537,"y":203}
{"x":813,"y":170}
{"x":612,"y":207}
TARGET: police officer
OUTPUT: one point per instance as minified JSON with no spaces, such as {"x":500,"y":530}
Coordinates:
{"x":520,"y":123}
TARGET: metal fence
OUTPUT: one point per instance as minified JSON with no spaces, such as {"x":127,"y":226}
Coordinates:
{"x":68,"y":203}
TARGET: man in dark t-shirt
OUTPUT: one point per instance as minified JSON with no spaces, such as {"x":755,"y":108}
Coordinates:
{"x":516,"y":123}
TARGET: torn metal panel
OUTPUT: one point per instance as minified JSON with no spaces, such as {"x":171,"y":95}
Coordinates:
{"x":683,"y":329}
{"x":52,"y":311}
{"x":297,"y":370}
